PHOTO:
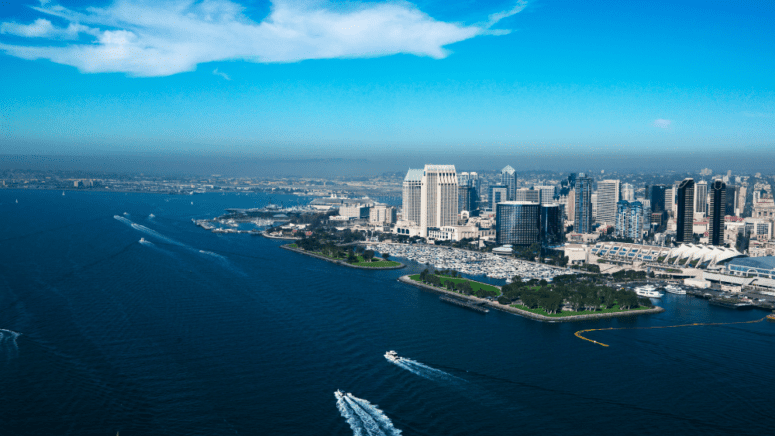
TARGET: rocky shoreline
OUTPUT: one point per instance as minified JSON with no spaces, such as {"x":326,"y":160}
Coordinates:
{"x":340,"y":262}
{"x":525,"y":313}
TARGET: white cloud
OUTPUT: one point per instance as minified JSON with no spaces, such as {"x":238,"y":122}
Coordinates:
{"x":662,"y":123}
{"x":221,"y":73}
{"x":42,"y":28}
{"x":158,"y":38}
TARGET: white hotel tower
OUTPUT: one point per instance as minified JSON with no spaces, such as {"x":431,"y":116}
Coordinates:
{"x":439,"y":197}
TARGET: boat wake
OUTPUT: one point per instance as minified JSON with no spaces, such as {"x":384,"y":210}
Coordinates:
{"x":365,"y":419}
{"x":8,"y":346}
{"x":423,"y":370}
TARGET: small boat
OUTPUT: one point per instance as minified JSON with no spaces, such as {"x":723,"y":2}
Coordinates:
{"x":771,"y":317}
{"x":143,"y":241}
{"x":151,"y":216}
{"x":63,"y":193}
{"x":392,"y":356}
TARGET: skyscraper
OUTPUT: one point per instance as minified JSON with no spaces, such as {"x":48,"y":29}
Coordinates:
{"x":509,"y":180}
{"x":525,"y":194}
{"x":412,"y":196}
{"x":607,"y":197}
{"x":684,"y":215}
{"x":629,"y":219}
{"x":518,"y":223}
{"x":463,"y":179}
{"x":497,"y":194}
{"x":552,"y":229}
{"x":656,"y":193}
{"x":546,"y":195}
{"x":439,"y":197}
{"x":467,"y":198}
{"x":583,"y":197}
{"x":732,"y":194}
{"x":701,"y":197}
{"x":718,"y":201}
{"x":628,"y":192}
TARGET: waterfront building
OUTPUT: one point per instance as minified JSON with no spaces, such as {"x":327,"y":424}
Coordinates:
{"x":412,"y":196}
{"x":628,"y":192}
{"x":701,"y":197}
{"x":525,"y":194}
{"x":518,"y":223}
{"x":509,"y":180}
{"x":497,"y":194}
{"x":546,"y":194}
{"x":629,"y":219}
{"x":607,"y":199}
{"x":382,"y":214}
{"x":439,"y":195}
{"x":552,"y":228}
{"x":354,"y":211}
{"x":718,"y":199}
{"x":583,"y":205}
{"x":684,"y":216}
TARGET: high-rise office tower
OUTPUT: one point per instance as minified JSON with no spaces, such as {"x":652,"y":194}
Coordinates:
{"x":518,"y":223}
{"x":684,"y":215}
{"x":628,"y":192}
{"x":607,"y":197}
{"x":629,"y":219}
{"x":570,"y":206}
{"x":701,"y":197}
{"x":474,"y":182}
{"x":466,"y":199}
{"x":656,"y":194}
{"x":670,"y":199}
{"x":439,"y":197}
{"x":583,"y":205}
{"x":525,"y":194}
{"x":497,"y":194}
{"x":412,"y":196}
{"x":732,"y":194}
{"x":742,"y":191}
{"x":718,"y":201}
{"x":546,"y":195}
{"x":509,"y":180}
{"x":463,"y":179}
{"x":552,"y":228}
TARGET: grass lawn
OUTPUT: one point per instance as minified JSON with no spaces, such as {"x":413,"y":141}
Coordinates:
{"x":362,"y":262}
{"x":475,"y":286}
{"x":541,"y":311}
{"x":293,"y":246}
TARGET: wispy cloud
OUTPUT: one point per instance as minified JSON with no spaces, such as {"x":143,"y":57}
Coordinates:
{"x":758,"y":114}
{"x":158,"y":38}
{"x":662,"y":123}
{"x":221,"y":73}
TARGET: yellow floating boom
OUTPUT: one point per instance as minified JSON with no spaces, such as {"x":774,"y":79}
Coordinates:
{"x":579,"y":333}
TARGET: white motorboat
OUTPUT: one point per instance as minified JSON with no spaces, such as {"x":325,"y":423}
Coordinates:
{"x":392,"y":356}
{"x":675,"y":290}
{"x":648,"y":291}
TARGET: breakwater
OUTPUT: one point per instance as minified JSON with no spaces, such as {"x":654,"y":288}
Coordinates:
{"x":341,"y":262}
{"x":463,"y":303}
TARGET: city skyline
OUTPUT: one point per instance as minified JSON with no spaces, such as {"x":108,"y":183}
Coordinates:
{"x":550,"y":82}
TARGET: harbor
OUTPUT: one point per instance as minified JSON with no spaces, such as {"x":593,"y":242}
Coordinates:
{"x":472,"y":263}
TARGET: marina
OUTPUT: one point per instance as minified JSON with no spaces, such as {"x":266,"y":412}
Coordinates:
{"x":472,"y":263}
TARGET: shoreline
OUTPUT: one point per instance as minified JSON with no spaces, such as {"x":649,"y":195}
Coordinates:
{"x":524,"y":313}
{"x":340,"y":262}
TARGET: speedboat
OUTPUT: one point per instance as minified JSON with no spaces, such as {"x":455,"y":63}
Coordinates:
{"x":142,"y":240}
{"x":339,"y":394}
{"x":675,"y":290}
{"x":392,"y":356}
{"x":648,"y":291}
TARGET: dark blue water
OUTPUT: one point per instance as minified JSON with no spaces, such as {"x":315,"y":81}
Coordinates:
{"x":206,"y":334}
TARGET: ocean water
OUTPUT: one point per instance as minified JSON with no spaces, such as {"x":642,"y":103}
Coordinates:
{"x":195,"y":333}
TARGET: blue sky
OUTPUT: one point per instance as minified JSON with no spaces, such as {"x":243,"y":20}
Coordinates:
{"x":545,"y":78}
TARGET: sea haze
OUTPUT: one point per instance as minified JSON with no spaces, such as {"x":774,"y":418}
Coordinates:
{"x":191,"y":332}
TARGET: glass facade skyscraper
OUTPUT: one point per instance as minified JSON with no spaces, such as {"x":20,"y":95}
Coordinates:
{"x":509,"y":180}
{"x":718,"y":200}
{"x":582,"y":221}
{"x":518,"y":223}
{"x":684,"y":216}
{"x":552,"y":229}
